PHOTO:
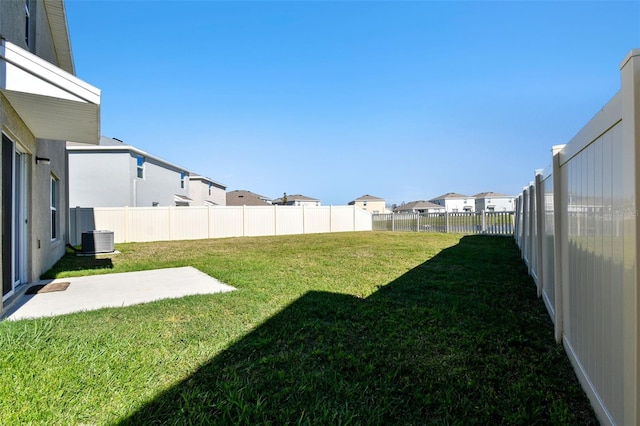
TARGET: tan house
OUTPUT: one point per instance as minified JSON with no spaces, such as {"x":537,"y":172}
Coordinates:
{"x":42,"y":105}
{"x":370,"y":203}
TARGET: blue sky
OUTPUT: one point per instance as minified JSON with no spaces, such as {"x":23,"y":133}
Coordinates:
{"x":401,"y":100}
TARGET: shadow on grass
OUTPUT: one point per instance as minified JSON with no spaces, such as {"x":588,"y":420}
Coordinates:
{"x":460,"y":339}
{"x":71,"y":261}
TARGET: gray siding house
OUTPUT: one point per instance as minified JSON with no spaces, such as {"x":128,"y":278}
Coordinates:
{"x":115,"y":174}
{"x":206,"y":192}
{"x":42,"y":105}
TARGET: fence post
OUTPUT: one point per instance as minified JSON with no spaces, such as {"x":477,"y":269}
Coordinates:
{"x":446,"y":221}
{"x":354,"y":218}
{"x":630,"y":92}
{"x":530,"y":225}
{"x":275,"y":219}
{"x":393,"y":222}
{"x":304,"y":219}
{"x":539,"y":232}
{"x":127,"y":224}
{"x":244,"y":220}
{"x":559,"y":243}
{"x":484,"y":221}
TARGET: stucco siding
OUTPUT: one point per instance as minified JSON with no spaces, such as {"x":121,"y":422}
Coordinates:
{"x":45,"y":250}
{"x":372,"y":206}
{"x":90,"y":174}
{"x":159,"y":185}
{"x":199,"y":193}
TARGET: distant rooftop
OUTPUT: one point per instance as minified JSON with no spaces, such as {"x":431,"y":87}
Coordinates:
{"x":492,"y":195}
{"x":450,"y":195}
{"x":418,"y":205}
{"x":246,"y":198}
{"x":366,"y":197}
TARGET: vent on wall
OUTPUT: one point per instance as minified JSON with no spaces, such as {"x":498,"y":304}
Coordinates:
{"x":97,"y":242}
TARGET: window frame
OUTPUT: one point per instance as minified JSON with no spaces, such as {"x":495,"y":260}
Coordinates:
{"x":140,"y":166}
{"x":54,"y":207}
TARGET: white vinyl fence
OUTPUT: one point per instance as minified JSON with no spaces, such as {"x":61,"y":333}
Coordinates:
{"x":136,"y":224}
{"x":485,"y":222}
{"x":577,"y":228}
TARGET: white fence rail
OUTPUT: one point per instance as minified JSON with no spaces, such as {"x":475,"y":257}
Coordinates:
{"x":485,"y":222}
{"x":137,"y":224}
{"x":577,"y":228}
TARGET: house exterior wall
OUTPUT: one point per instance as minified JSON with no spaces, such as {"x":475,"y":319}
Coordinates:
{"x":38,"y":251}
{"x":90,"y":173}
{"x":457,"y":204}
{"x":372,"y":206}
{"x":159,"y":185}
{"x":199,"y":193}
{"x":110,"y":179}
{"x":498,"y":204}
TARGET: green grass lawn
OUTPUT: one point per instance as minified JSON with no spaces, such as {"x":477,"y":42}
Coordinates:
{"x":351,"y":328}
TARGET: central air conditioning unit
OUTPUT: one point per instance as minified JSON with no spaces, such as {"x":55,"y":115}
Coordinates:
{"x":97,"y":242}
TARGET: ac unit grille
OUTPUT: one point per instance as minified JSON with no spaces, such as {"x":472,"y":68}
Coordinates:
{"x":97,"y":242}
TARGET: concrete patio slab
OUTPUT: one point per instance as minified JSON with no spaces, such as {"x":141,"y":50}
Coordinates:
{"x":114,"y":290}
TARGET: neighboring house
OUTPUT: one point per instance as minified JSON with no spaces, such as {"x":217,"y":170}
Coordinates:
{"x":114,"y":174}
{"x":206,"y":192}
{"x":453,"y":202}
{"x":419,"y":207}
{"x":296,"y":200}
{"x":42,"y":105}
{"x":246,"y":198}
{"x":492,"y":201}
{"x":370,"y":203}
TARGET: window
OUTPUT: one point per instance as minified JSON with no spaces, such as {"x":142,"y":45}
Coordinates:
{"x":27,"y":21}
{"x":182,"y":180}
{"x":54,"y":202}
{"x":140,"y":166}
{"x":210,"y":186}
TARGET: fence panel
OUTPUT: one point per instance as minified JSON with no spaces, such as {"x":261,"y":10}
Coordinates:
{"x":587,"y":244}
{"x":492,"y":223}
{"x":139,"y":224}
{"x":225,"y":222}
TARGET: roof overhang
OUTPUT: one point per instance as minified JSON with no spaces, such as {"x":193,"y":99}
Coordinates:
{"x":182,"y":199}
{"x":53,"y":103}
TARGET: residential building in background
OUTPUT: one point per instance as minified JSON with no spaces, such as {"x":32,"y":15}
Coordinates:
{"x":246,"y":198}
{"x":454,"y":202}
{"x":370,"y":203}
{"x":296,"y":200}
{"x":494,"y":202}
{"x":42,"y":105}
{"x":419,"y":207}
{"x":116,"y":174}
{"x":206,"y":192}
